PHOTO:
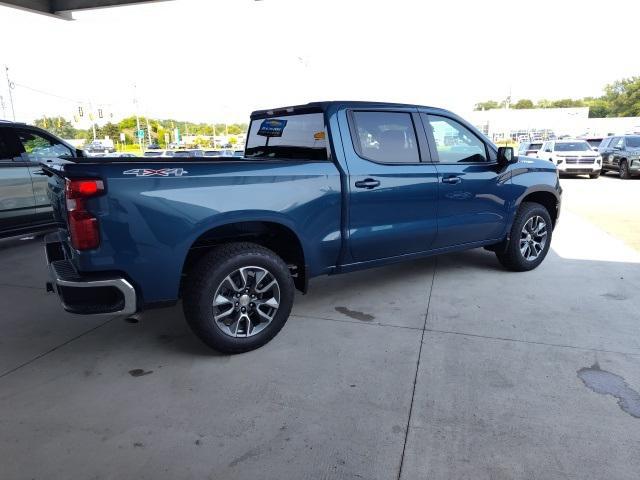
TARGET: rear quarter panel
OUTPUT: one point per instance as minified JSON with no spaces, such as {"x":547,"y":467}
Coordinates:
{"x":148,"y":223}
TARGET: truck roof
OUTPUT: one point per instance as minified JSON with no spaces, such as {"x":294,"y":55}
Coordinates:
{"x":326,"y":105}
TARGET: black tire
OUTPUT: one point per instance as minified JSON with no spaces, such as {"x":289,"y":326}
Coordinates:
{"x":624,"y":170}
{"x":511,"y":257}
{"x":594,"y":175}
{"x":210,"y":272}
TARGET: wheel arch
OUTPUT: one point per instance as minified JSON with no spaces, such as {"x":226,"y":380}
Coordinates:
{"x":548,"y":198}
{"x":272,"y":234}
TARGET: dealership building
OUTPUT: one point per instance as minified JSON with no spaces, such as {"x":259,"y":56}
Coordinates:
{"x":502,"y":124}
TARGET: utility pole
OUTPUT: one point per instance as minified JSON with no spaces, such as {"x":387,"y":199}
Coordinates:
{"x":10,"y":85}
{"x":148,"y":130}
{"x":135,"y":102}
{"x":92,"y":117}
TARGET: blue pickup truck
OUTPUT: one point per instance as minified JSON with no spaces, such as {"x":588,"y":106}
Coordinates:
{"x":322,"y":188}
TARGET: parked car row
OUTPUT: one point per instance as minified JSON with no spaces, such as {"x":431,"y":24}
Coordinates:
{"x":196,"y":152}
{"x":592,"y":156}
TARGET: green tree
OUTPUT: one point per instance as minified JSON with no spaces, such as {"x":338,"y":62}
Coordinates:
{"x":488,"y":105}
{"x":111,"y":130}
{"x":127,"y":123}
{"x":201,"y":141}
{"x":523,"y":103}
{"x":567,"y":103}
{"x":59,"y":126}
{"x":598,"y":107}
{"x":623,"y":97}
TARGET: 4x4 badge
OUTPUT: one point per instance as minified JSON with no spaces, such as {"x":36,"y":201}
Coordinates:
{"x":162,"y":172}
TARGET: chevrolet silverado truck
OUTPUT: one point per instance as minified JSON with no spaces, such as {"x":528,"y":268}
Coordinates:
{"x":322,"y":189}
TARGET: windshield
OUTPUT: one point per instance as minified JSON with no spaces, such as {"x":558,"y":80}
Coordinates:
{"x":633,"y":142}
{"x":572,"y":147}
{"x":292,"y":136}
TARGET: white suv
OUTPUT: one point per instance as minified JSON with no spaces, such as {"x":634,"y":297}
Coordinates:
{"x":572,"y":157}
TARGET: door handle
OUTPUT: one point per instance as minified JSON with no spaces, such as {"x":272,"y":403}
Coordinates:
{"x":368,"y":183}
{"x":39,"y":172}
{"x":451,"y":180}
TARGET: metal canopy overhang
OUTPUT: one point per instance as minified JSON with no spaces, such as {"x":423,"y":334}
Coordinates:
{"x":63,"y":8}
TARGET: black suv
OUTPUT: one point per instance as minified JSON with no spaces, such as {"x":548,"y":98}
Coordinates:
{"x":24,"y":204}
{"x":621,"y":154}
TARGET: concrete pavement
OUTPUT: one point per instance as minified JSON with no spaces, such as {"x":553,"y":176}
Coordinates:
{"x":444,"y":368}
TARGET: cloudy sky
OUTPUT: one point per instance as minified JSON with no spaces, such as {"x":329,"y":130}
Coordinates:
{"x":216,"y":60}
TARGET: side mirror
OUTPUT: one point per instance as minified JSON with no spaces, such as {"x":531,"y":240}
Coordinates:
{"x":505,"y":155}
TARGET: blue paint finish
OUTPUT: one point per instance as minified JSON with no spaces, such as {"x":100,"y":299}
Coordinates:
{"x":475,"y":209}
{"x":148,"y":224}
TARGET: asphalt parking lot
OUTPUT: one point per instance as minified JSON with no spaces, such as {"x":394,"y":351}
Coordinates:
{"x":447,"y":368}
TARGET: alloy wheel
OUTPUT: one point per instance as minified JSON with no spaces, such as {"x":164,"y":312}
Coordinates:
{"x":246,"y":301}
{"x":533,"y":238}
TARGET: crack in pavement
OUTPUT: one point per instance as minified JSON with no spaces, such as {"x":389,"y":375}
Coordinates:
{"x":57,"y":347}
{"x":415,"y":378}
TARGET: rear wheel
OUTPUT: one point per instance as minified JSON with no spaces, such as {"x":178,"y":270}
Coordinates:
{"x":530,"y":238}
{"x":238,"y":297}
{"x":624,"y":170}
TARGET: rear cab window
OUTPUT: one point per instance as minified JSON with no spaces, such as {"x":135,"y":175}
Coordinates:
{"x":385,"y":137}
{"x":288,"y":137}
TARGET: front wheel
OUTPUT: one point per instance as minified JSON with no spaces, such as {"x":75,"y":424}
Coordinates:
{"x":529,"y":240}
{"x":594,"y":175}
{"x":238,"y":297}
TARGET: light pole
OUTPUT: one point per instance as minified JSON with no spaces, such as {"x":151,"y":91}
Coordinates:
{"x":135,"y":102}
{"x":10,"y":85}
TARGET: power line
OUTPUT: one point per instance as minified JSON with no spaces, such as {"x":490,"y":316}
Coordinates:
{"x":48,"y":93}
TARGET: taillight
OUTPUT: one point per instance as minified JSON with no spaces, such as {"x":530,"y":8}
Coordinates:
{"x":83,"y":227}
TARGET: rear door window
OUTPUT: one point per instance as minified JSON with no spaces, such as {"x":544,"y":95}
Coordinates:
{"x":38,"y":147}
{"x":294,"y":137}
{"x":385,"y":137}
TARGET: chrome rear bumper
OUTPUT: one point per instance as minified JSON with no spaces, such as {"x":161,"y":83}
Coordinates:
{"x":83,"y":294}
